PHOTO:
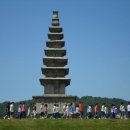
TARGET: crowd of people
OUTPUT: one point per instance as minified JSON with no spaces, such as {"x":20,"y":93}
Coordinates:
{"x":21,"y":111}
{"x":93,"y":111}
{"x":108,"y":111}
{"x":69,"y":111}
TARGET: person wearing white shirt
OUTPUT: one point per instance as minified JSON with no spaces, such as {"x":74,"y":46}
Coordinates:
{"x":11,"y":110}
{"x":41,"y":109}
{"x":89,"y":111}
{"x":106,"y":111}
{"x":67,"y":111}
{"x":77,"y":109}
{"x":103,"y":110}
{"x":128,"y":109}
{"x":122,"y":110}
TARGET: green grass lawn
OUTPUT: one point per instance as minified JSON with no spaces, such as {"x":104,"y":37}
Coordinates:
{"x":62,"y":124}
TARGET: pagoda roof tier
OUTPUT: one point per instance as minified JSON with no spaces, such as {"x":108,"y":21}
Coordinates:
{"x":55,"y":52}
{"x":55,"y":61}
{"x":55,"y":29}
{"x":55,"y":22}
{"x":55,"y":19}
{"x":55,"y":36}
{"x":55,"y":71}
{"x":55,"y":44}
{"x":47,"y":80}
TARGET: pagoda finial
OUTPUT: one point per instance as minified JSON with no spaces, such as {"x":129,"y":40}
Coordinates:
{"x":55,"y":15}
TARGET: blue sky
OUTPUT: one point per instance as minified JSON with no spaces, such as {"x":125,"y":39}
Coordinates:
{"x":97,"y":36}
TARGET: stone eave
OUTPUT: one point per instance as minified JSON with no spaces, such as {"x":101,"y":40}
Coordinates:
{"x":55,"y":36}
{"x":55,"y":61}
{"x":49,"y":80}
{"x":55,"y":29}
{"x":55,"y":44}
{"x":56,"y":49}
{"x":55,"y":71}
{"x":57,"y":52}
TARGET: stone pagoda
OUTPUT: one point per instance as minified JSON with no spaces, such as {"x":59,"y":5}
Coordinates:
{"x":55,"y":69}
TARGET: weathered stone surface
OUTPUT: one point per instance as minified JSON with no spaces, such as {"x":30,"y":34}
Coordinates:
{"x":55,"y":44}
{"x":51,"y":100}
{"x":52,"y":89}
{"x":55,"y":29}
{"x":55,"y":71}
{"x":55,"y":81}
{"x":55,"y":23}
{"x":55,"y":52}
{"x":55,"y":36}
{"x":55,"y":61}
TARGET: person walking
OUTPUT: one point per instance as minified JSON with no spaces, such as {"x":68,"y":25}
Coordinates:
{"x":45,"y":111}
{"x":64,"y":111}
{"x":71,"y":110}
{"x":128,"y":109}
{"x":81,"y":109}
{"x":42,"y":110}
{"x":89,"y":111}
{"x":57,"y":114}
{"x":67,"y":111}
{"x":103,"y":110}
{"x":106,"y":111}
{"x":30,"y":111}
{"x":23,"y":110}
{"x":34,"y":111}
{"x":113,"y":111}
{"x":122,"y":110}
{"x":19,"y":115}
{"x":96,"y":110}
{"x":7,"y":111}
{"x":11,"y":110}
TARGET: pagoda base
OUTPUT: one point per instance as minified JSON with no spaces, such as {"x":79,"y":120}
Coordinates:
{"x":51,"y":100}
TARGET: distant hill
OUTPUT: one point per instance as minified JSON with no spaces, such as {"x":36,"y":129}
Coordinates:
{"x":85,"y":99}
{"x":108,"y":101}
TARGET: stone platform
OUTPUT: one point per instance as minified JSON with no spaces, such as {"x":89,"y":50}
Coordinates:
{"x":51,"y":100}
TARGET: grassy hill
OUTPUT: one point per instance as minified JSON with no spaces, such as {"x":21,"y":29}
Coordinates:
{"x":62,"y":124}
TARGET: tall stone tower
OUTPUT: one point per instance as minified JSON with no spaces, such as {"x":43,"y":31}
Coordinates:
{"x":55,"y":69}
